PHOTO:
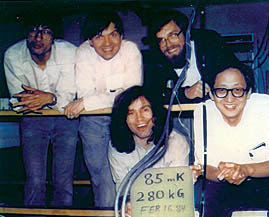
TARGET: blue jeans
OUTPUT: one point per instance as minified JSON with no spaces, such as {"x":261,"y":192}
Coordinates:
{"x":221,"y":199}
{"x":95,"y":136}
{"x":37,"y":133}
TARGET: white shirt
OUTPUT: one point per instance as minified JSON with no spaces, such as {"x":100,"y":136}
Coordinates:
{"x":58,"y":76}
{"x":234,"y":144}
{"x":177,"y":154}
{"x":99,"y":81}
{"x":192,"y":74}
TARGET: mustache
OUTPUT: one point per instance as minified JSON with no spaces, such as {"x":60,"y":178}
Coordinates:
{"x":170,"y":48}
{"x":33,"y":44}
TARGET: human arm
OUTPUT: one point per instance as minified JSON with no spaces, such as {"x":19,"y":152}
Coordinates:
{"x":128,"y":209}
{"x":211,"y":172}
{"x":65,"y":88}
{"x":119,"y":164}
{"x":21,"y":85}
{"x":99,"y":81}
{"x":73,"y":109}
{"x":57,"y":78}
{"x":236,"y":173}
{"x":32,"y":99}
{"x":14,"y":72}
{"x":133,"y":72}
{"x":90,"y":93}
{"x":197,"y":170}
{"x":196,"y":90}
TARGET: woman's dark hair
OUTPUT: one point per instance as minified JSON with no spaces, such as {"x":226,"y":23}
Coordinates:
{"x":98,"y":20}
{"x":122,"y":137}
{"x":245,"y":70}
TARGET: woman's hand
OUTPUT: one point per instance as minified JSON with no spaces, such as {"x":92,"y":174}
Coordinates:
{"x":128,"y":209}
{"x":197,"y":170}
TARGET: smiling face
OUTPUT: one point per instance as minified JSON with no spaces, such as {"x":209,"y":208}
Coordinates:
{"x":40,"y":40}
{"x":172,"y":40}
{"x":107,"y":44}
{"x":140,"y":120}
{"x":231,"y":107}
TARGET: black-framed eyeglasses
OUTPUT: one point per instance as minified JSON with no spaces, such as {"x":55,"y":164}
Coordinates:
{"x":172,"y":36}
{"x":43,"y":30}
{"x":223,"y":92}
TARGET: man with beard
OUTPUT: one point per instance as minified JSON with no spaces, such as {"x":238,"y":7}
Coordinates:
{"x":168,"y":58}
{"x":40,"y":75}
{"x":207,"y":48}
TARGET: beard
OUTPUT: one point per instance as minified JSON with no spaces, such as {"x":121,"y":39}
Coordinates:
{"x":178,"y":61}
{"x":38,"y":54}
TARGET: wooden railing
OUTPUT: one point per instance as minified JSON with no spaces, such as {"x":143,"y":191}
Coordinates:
{"x":181,"y":107}
{"x":55,"y":212}
{"x":71,"y":212}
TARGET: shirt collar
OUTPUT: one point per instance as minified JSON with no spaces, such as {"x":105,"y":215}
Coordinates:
{"x":150,"y":146}
{"x":27,"y":56}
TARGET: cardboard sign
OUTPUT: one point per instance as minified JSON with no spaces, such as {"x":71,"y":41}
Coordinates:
{"x":163,"y":192}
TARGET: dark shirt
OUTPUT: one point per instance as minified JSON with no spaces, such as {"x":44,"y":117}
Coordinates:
{"x":210,"y":50}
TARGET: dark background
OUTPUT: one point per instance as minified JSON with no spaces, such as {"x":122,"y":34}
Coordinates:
{"x":244,"y":23}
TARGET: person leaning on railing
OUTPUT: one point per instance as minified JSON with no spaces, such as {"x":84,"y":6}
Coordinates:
{"x":237,"y":143}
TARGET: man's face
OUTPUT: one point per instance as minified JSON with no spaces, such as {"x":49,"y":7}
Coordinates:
{"x":140,"y":119}
{"x":107,"y":44}
{"x":231,"y":107}
{"x":171,"y":41}
{"x":40,"y":40}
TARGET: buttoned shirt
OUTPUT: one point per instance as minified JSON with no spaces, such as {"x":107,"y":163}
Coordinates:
{"x":248,"y":142}
{"x":99,"y":81}
{"x":177,"y":154}
{"x":58,"y":77}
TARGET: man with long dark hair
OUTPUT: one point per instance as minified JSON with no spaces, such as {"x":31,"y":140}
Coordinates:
{"x":138,"y":120}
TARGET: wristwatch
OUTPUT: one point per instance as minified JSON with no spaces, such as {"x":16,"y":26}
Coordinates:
{"x":54,"y":100}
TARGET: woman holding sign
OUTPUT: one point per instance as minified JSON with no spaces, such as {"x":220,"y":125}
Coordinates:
{"x":138,"y":120}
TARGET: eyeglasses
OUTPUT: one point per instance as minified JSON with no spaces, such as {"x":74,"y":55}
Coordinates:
{"x":172,"y":36}
{"x":46,"y":33}
{"x":223,"y":92}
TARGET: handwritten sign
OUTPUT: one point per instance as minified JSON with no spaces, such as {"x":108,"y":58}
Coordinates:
{"x":163,"y":192}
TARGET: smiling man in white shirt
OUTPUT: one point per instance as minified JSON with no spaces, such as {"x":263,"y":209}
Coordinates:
{"x":106,"y":65}
{"x":40,"y":74}
{"x":237,"y":143}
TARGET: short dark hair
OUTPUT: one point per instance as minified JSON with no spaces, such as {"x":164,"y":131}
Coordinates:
{"x":44,"y":16}
{"x":98,"y":20}
{"x":122,"y":137}
{"x":162,"y":17}
{"x":245,"y":70}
